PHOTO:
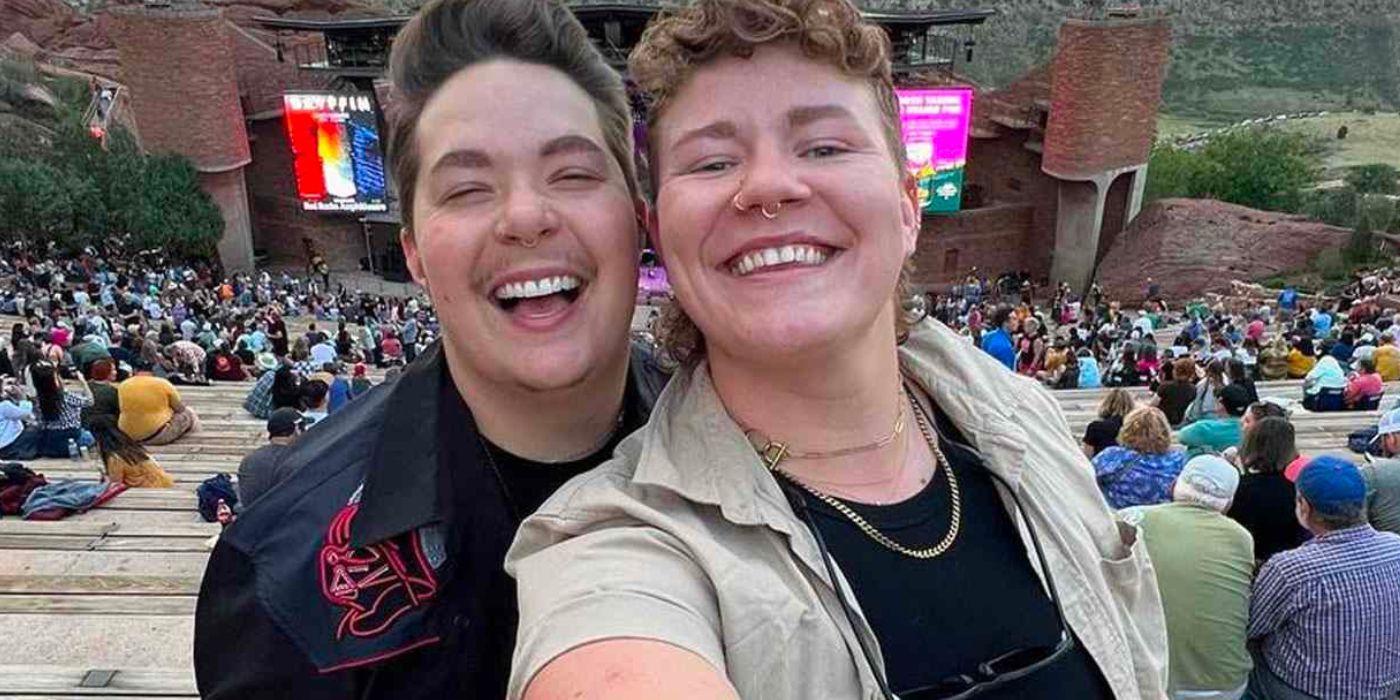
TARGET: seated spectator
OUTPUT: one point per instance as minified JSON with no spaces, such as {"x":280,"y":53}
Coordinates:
{"x":1221,"y":431}
{"x":124,"y":460}
{"x":262,"y":468}
{"x":59,"y":419}
{"x":1175,"y":395}
{"x":1343,"y":349}
{"x":1364,"y":386}
{"x":339,"y":386}
{"x":1204,"y":562}
{"x":1301,"y":359}
{"x":224,"y":366}
{"x":1325,"y":378}
{"x":286,"y":389}
{"x":1102,"y":433}
{"x":1382,"y":476}
{"x":1139,"y":470}
{"x":1323,"y":619}
{"x":359,"y":380}
{"x":152,"y":412}
{"x":323,"y":353}
{"x":1056,"y":359}
{"x":1205,"y":404}
{"x":259,"y":399}
{"x":1387,"y":357}
{"x":1069,"y":376}
{"x":1273,"y":360}
{"x":16,"y":442}
{"x":390,"y":349}
{"x":316,"y":398}
{"x":1264,"y":501}
{"x":87,"y":351}
{"x":1237,"y":374}
{"x":104,"y":395}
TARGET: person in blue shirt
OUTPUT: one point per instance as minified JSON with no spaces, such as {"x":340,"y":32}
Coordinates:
{"x":998,"y":343}
{"x":1322,"y":323}
{"x":1214,"y":435}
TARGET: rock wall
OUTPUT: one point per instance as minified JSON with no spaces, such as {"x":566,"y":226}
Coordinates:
{"x":1191,"y":247}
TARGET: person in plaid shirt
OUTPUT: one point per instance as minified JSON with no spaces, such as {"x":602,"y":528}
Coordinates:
{"x":1323,"y":618}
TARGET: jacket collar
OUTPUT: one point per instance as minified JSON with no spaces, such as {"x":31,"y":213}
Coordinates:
{"x":402,"y":485}
{"x":696,"y":450}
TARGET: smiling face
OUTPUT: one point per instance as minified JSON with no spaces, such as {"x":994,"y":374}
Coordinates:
{"x":524,"y":231}
{"x":801,"y":143}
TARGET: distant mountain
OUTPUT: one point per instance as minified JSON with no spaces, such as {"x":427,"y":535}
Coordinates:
{"x":1230,"y":58}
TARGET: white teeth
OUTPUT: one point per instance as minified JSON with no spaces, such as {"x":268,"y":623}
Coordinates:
{"x":542,"y":287}
{"x":805,"y":255}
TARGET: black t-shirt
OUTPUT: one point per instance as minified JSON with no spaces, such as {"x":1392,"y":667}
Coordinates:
{"x":1103,"y":433}
{"x":1264,"y":504}
{"x":980,"y":599}
{"x":1175,"y":397}
{"x":482,"y":527}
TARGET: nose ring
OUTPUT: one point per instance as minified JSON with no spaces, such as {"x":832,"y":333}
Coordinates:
{"x":532,"y":242}
{"x":763,"y":209}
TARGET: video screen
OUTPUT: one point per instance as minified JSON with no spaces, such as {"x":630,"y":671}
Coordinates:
{"x":336,"y":151}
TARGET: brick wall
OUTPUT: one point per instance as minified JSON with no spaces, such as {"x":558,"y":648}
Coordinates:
{"x":179,"y":67}
{"x":992,"y":238}
{"x":279,"y":224}
{"x":1009,"y":173}
{"x":1106,"y":87}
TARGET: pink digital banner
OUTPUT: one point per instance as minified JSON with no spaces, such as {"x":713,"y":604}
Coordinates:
{"x":934,"y":123}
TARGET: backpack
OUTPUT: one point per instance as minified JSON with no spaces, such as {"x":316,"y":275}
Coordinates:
{"x":1364,"y":441}
{"x":215,"y":488}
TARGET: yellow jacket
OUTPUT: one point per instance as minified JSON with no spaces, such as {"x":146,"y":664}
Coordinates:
{"x":1388,"y":362}
{"x":1299,"y":364}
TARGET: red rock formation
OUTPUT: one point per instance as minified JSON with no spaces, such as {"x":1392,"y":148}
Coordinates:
{"x":1192,"y":246}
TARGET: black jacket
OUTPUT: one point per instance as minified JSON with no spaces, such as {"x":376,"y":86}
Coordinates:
{"x":338,"y":583}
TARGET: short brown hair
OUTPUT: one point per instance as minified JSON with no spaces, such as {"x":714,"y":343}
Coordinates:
{"x":681,"y":41}
{"x":447,"y":36}
{"x":1146,"y":430}
{"x":1184,"y":370}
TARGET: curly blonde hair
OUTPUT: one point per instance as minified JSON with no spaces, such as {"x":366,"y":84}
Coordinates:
{"x":683,"y":40}
{"x":1146,"y":430}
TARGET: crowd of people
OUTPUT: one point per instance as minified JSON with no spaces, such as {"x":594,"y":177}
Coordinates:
{"x":1275,"y":577}
{"x":102,"y":341}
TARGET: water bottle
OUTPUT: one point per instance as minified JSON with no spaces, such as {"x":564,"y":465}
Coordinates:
{"x":73,"y":450}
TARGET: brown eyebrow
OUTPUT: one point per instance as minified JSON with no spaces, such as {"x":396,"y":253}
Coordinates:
{"x":802,"y":116}
{"x":570,"y":143}
{"x":714,"y":130}
{"x":462,"y":158}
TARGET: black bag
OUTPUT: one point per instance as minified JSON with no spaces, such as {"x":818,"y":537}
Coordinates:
{"x":214,"y":489}
{"x":1364,"y":441}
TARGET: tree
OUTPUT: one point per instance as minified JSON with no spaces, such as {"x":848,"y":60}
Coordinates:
{"x":1260,"y":168}
{"x":34,"y":201}
{"x":175,"y":213}
{"x":1376,"y":178}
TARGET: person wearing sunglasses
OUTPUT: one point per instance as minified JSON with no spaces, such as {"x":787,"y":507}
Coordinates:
{"x":836,"y":497}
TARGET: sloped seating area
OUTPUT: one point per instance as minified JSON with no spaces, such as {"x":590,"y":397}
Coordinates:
{"x":104,"y":601}
{"x":114,"y":590}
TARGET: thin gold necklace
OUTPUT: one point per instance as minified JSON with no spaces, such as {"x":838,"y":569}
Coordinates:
{"x":954,"y":521}
{"x":774,"y":451}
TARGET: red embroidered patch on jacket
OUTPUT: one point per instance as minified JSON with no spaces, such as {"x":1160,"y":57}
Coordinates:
{"x":376,"y":584}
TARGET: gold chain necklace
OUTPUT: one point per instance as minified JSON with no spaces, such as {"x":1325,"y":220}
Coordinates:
{"x":955,"y":520}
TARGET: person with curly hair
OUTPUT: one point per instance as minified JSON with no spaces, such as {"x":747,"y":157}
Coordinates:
{"x":816,"y":421}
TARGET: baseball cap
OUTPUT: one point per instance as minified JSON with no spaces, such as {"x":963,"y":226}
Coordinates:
{"x":1209,"y":475}
{"x":1331,"y":483}
{"x":1389,"y":423}
{"x":284,"y":421}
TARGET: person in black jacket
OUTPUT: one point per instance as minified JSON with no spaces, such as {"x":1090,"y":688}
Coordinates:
{"x":375,"y":569}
